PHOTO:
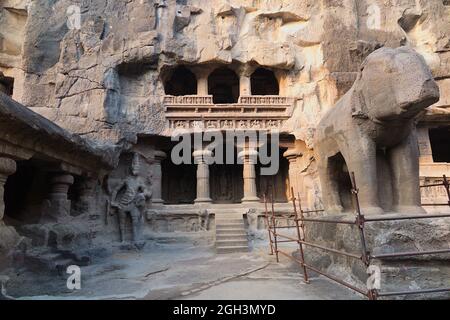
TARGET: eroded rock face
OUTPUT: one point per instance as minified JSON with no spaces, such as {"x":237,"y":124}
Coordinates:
{"x":105,"y":78}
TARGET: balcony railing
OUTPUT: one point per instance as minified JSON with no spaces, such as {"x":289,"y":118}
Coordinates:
{"x":251,"y":112}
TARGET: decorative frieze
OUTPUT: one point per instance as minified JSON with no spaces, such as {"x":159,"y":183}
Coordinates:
{"x":251,"y":112}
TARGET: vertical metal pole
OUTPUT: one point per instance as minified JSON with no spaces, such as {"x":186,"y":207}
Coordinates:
{"x":274,"y":226}
{"x":268,"y":224}
{"x":302,"y":217}
{"x":300,"y":244}
{"x":447,"y":187}
{"x":372,"y":294}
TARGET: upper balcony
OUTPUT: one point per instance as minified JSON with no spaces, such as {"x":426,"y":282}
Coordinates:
{"x":250,"y":112}
{"x":226,"y":98}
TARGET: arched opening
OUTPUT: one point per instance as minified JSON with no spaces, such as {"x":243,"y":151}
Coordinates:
{"x":223,"y":85}
{"x":339,"y":171}
{"x":25,"y":191}
{"x":264,"y":83}
{"x":181,"y":83}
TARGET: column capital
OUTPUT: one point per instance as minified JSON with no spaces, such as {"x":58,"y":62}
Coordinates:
{"x":249,"y":155}
{"x":200,"y":155}
{"x":159,"y":155}
{"x":292,"y":155}
{"x":7,"y":166}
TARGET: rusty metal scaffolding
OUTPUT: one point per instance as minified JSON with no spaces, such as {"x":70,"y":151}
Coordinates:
{"x":360,"y":221}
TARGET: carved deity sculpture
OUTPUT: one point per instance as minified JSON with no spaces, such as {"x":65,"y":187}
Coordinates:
{"x":372,"y":129}
{"x":252,"y":219}
{"x":130,"y":198}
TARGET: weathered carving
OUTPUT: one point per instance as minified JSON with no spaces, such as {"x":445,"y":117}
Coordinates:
{"x":252,"y":219}
{"x":203,"y":219}
{"x":130,"y":198}
{"x":373,"y":128}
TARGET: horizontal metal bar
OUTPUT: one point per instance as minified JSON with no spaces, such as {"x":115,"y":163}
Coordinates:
{"x":427,"y":216}
{"x":285,"y":237}
{"x":404,"y":293}
{"x":351,"y":255}
{"x":327,"y":221}
{"x":286,"y":241}
{"x":364,"y":293}
{"x":283,"y":227}
{"x":434,"y":185}
{"x":312,"y":211}
{"x":409,"y":254}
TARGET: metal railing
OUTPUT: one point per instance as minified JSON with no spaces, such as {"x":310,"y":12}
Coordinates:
{"x":446,"y":184}
{"x":365,"y":256}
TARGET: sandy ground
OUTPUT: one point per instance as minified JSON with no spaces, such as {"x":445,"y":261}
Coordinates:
{"x":176,"y":271}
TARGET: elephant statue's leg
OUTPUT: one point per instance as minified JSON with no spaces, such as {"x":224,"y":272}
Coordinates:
{"x":404,"y":161}
{"x":330,"y":187}
{"x":362,"y":161}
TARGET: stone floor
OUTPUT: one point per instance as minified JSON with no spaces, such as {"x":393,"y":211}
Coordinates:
{"x":175,"y":271}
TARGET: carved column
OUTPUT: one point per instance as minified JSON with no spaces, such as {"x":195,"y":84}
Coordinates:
{"x":293,"y":156}
{"x":249,"y":158}
{"x":58,"y":205}
{"x":86,"y":202}
{"x":201,"y":74}
{"x":245,"y":85}
{"x":203,"y":191}
{"x":159,"y":156}
{"x":7,"y":168}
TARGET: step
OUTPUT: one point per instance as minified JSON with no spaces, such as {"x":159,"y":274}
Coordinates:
{"x":228,"y":221}
{"x":231,"y":249}
{"x":230,"y":236}
{"x":231,"y":232}
{"x":230,"y":226}
{"x":231,"y":243}
{"x":220,"y":240}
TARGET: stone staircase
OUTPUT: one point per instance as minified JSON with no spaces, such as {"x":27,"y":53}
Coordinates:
{"x":231,"y":236}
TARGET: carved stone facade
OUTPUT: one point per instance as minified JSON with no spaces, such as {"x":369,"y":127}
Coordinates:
{"x":85,"y":99}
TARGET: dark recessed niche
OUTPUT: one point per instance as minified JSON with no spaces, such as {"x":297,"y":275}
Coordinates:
{"x":440,"y":144}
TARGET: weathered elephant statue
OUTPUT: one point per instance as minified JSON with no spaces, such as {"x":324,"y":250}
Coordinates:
{"x":372,"y":128}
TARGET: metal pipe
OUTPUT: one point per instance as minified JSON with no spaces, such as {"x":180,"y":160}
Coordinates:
{"x":342,"y":282}
{"x":274,"y":225}
{"x":427,"y":216}
{"x":447,"y":187}
{"x":313,"y":211}
{"x":266,"y":215}
{"x":299,"y":235}
{"x":434,"y":185}
{"x":329,"y":221}
{"x":351,"y":255}
{"x":404,"y":293}
{"x":409,"y":254}
{"x":360,"y":221}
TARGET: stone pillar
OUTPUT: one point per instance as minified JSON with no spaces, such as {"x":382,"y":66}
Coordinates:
{"x":7,"y":168}
{"x":426,"y":153}
{"x":202,"y":84}
{"x":249,"y":157}
{"x":159,"y":156}
{"x":293,"y":156}
{"x":245,"y":85}
{"x":86,"y":202}
{"x":57,"y":206}
{"x":203,"y":191}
